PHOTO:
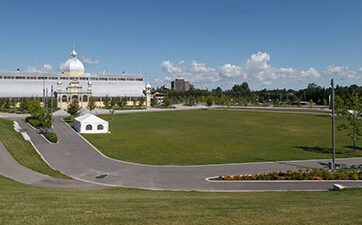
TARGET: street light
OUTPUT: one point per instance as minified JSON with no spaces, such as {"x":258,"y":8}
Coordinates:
{"x":333,"y":129}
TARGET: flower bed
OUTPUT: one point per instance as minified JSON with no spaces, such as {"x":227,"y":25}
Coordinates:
{"x":313,"y":174}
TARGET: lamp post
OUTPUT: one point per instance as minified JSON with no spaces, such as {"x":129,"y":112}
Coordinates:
{"x":333,"y":127}
{"x":51,"y":109}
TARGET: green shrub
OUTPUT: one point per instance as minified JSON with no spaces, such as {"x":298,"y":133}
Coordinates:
{"x":52,"y":137}
{"x":34,"y":122}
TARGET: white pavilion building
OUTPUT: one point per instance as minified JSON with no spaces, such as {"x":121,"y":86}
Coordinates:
{"x":91,"y":124}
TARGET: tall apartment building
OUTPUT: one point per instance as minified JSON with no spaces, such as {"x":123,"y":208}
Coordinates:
{"x":180,"y":85}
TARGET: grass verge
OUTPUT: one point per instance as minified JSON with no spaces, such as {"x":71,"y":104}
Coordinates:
{"x":22,"y":151}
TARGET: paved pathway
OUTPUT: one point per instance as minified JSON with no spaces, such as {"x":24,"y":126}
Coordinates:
{"x":75,"y":157}
{"x":13,"y":170}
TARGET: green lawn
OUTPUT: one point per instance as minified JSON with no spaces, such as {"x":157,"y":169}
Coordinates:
{"x":207,"y":137}
{"x":23,"y":151}
{"x":23,"y":204}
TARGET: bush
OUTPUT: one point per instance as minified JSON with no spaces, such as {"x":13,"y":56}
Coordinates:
{"x":52,"y":137}
{"x":34,"y":122}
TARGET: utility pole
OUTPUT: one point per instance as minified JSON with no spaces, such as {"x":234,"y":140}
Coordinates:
{"x":44,"y":94}
{"x":51,"y":109}
{"x":46,"y":100}
{"x":333,"y":128}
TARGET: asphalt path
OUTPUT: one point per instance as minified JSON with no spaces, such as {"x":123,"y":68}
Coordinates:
{"x":74,"y":156}
{"x":13,"y":170}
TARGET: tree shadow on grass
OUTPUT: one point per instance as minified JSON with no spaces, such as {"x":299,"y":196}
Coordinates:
{"x":326,"y":114}
{"x":351,"y":147}
{"x":317,"y":149}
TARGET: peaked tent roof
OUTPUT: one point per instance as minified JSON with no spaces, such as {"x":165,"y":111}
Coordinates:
{"x":88,"y":117}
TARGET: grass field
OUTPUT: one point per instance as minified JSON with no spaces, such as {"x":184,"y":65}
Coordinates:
{"x":207,"y":137}
{"x":23,"y":151}
{"x":23,"y":204}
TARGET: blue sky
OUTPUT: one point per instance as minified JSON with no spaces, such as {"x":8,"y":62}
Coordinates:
{"x":269,"y":44}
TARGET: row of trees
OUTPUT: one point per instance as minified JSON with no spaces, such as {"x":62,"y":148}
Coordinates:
{"x":242,"y":95}
{"x":10,"y":104}
{"x":120,"y":102}
{"x":109,"y":103}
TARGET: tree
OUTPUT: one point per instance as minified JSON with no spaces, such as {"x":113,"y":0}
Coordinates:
{"x":92,"y":103}
{"x":153,"y":102}
{"x":311,"y":103}
{"x":35,"y":109}
{"x":24,"y":106}
{"x":209,"y":101}
{"x":166,"y":101}
{"x":141,"y":101}
{"x":245,"y":102}
{"x":228,"y":103}
{"x":106,"y":101}
{"x":113,"y":102}
{"x":73,"y":108}
{"x":49,"y":103}
{"x":13,"y":104}
{"x":351,"y":112}
{"x":325,"y":102}
{"x":122,"y":102}
{"x":112,"y":110}
{"x":38,"y":113}
{"x":202,"y":99}
{"x":298,"y":102}
{"x":288,"y":102}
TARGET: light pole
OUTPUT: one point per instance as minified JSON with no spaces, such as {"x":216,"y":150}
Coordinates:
{"x":51,"y":109}
{"x":333,"y":128}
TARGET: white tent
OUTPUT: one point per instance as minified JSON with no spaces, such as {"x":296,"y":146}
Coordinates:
{"x":89,"y":123}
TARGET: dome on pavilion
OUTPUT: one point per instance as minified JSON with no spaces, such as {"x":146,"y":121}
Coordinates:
{"x":74,"y":67}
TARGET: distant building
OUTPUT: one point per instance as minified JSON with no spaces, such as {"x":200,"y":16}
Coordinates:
{"x":180,"y":85}
{"x":158,"y":96}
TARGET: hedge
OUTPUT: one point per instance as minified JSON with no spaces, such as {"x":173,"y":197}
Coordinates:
{"x":34,"y":122}
{"x":52,"y":137}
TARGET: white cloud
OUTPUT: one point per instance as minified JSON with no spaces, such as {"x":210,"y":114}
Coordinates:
{"x":258,"y":61}
{"x":311,"y":72}
{"x":89,"y":61}
{"x":32,"y":69}
{"x":171,"y":68}
{"x":61,"y":66}
{"x":47,"y":67}
{"x":268,"y":83}
{"x":341,"y":71}
{"x":257,"y":69}
{"x":229,"y":70}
